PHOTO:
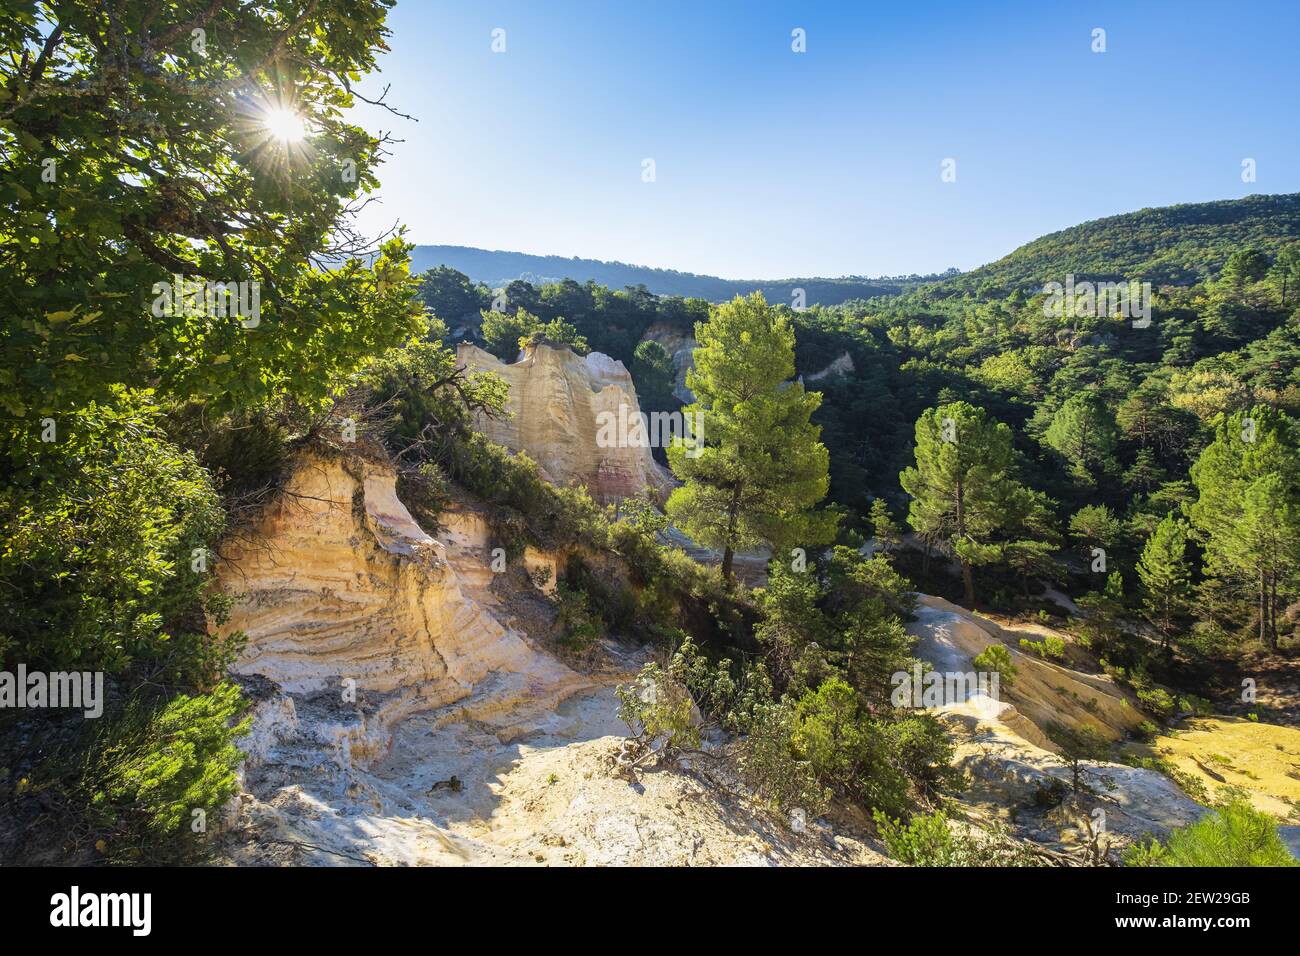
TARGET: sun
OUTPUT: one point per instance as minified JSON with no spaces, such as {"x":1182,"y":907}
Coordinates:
{"x":284,"y":124}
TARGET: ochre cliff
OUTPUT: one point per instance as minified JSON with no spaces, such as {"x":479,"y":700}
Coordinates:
{"x":554,"y":415}
{"x":337,"y":587}
{"x":402,"y":716}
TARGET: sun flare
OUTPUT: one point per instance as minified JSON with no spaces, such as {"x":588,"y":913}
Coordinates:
{"x":285,"y":125}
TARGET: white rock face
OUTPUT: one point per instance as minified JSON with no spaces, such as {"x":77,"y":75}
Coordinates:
{"x":557,"y":404}
{"x":338,"y":589}
{"x":465,"y":744}
{"x":1005,"y":748}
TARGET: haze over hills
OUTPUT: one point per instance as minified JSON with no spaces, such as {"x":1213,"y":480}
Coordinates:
{"x":497,"y":269}
{"x":1170,"y":244}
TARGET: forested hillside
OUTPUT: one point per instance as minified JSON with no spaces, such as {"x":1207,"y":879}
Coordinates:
{"x":496,"y":269}
{"x":1172,"y":244}
{"x":1112,"y":431}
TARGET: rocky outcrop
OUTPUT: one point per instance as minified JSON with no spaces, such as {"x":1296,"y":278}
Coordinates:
{"x":400,"y":717}
{"x":559,"y":411}
{"x":348,"y":605}
{"x":1003,"y":747}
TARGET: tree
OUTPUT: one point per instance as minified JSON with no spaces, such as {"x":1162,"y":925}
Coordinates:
{"x":962,"y":494}
{"x":1097,"y":525}
{"x":996,"y":659}
{"x":1265,"y":541}
{"x":1103,"y":613}
{"x":178,"y":189}
{"x":652,"y":370}
{"x":1244,"y":266}
{"x":1166,"y":577}
{"x":1235,"y":834}
{"x":173,"y":170}
{"x":507,"y":332}
{"x":1030,"y":559}
{"x":1285,"y":274}
{"x":760,"y":468}
{"x":884,"y":528}
{"x":1248,"y":480}
{"x":1083,"y":432}
{"x":1078,"y":746}
{"x":451,"y":296}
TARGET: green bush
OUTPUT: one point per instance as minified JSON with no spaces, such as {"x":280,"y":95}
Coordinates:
{"x":996,"y":659}
{"x":152,"y":766}
{"x":848,"y":750}
{"x":1234,"y":834}
{"x":1158,"y":701}
{"x":925,"y":840}
{"x":579,"y":625}
{"x":930,"y":839}
{"x":105,"y":542}
{"x":1050,"y":646}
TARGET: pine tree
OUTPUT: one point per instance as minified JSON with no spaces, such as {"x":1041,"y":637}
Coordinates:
{"x":884,"y":528}
{"x":1083,"y":432}
{"x":1248,"y":511}
{"x":1166,"y":577}
{"x":1103,"y":613}
{"x":761,"y":467}
{"x":1266,"y":542}
{"x":961,"y":491}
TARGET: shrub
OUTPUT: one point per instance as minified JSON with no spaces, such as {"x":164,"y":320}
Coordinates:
{"x":580,"y":626}
{"x":996,"y":659}
{"x":930,"y":839}
{"x":847,"y":749}
{"x":658,"y":706}
{"x":1158,"y":701}
{"x":105,"y":536}
{"x":1234,"y":834}
{"x":1050,"y":646}
{"x":154,"y":764}
{"x":925,"y":840}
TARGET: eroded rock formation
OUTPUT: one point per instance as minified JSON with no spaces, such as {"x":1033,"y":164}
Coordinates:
{"x":1004,"y":748}
{"x":338,"y":589}
{"x":555,"y":408}
{"x":466,"y":741}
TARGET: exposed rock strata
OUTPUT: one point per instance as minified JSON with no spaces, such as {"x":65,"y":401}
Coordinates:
{"x":555,"y":408}
{"x":465,"y":743}
{"x":1003,"y":746}
{"x":339,"y":589}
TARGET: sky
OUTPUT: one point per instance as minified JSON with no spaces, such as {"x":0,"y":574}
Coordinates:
{"x":770,"y":163}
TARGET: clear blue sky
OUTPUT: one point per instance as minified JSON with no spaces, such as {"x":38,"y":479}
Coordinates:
{"x":772,"y":164}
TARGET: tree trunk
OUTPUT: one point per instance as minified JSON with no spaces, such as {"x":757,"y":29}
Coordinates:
{"x":1272,"y":611}
{"x":727,"y":552}
{"x":1263,"y":608}
{"x":968,"y":583}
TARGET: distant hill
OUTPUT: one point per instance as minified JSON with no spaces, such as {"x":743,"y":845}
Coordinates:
{"x":497,"y":269}
{"x":1167,"y":245}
